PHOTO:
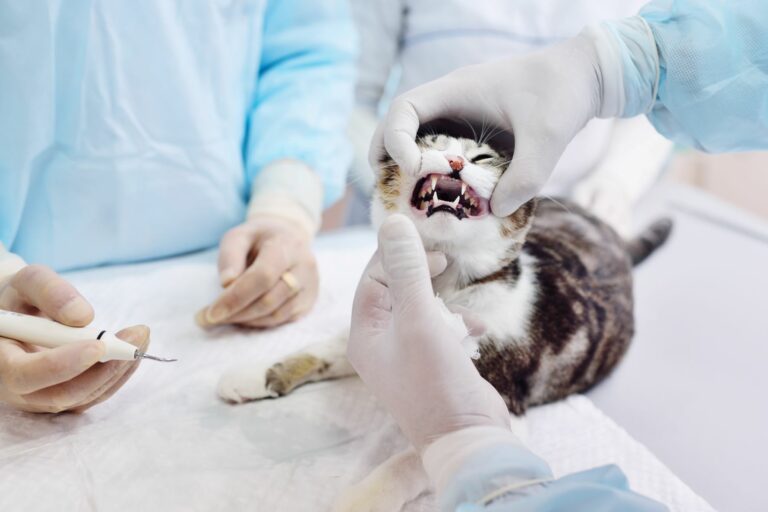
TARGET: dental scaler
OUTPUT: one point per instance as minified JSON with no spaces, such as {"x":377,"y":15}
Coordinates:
{"x":47,"y":333}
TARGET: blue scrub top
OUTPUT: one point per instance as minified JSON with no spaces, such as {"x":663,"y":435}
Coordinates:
{"x":133,"y":130}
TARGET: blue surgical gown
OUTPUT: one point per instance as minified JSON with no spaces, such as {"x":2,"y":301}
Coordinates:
{"x":713,"y":80}
{"x":712,"y":95}
{"x":532,"y":487}
{"x":132,"y":130}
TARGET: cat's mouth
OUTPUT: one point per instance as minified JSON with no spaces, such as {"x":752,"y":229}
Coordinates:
{"x":442,"y":193}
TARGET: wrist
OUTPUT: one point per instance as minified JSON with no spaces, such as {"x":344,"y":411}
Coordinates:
{"x":480,"y":465}
{"x":289,"y":190}
{"x":628,"y":65}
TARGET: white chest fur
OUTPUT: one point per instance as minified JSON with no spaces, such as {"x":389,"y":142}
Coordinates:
{"x":503,"y":307}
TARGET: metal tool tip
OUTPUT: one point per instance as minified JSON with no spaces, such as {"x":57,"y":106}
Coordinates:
{"x":154,"y":358}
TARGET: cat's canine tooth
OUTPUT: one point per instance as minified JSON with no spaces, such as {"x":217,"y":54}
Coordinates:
{"x":434,"y":200}
{"x":456,"y":201}
{"x":434,"y":182}
{"x":463,"y":188}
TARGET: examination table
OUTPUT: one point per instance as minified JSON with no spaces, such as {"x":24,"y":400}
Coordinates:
{"x":683,"y":415}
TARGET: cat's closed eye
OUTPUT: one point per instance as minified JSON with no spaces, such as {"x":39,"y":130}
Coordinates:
{"x":481,"y":157}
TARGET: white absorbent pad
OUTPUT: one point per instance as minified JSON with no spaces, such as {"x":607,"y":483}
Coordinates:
{"x":166,"y":442}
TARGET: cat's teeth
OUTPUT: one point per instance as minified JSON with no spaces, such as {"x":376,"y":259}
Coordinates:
{"x":456,"y":202}
{"x":434,"y":182}
{"x":463,"y":188}
{"x":434,"y":200}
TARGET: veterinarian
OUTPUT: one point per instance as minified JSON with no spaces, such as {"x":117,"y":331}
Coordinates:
{"x":406,"y":346}
{"x":141,"y":130}
{"x":697,"y":68}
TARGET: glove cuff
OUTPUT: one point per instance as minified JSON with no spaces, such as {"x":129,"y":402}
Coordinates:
{"x":629,"y":66}
{"x":291,"y":190}
{"x":446,"y":456}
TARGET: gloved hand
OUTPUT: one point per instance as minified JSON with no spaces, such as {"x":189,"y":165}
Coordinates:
{"x":544,"y":99}
{"x":406,"y":345}
{"x":67,"y":378}
{"x":268,"y":272}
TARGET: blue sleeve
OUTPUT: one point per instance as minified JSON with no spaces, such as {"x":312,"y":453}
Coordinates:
{"x":512,"y":479}
{"x":305,"y":90}
{"x":713,"y":83}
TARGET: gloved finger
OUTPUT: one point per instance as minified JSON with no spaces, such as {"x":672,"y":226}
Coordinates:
{"x":528,"y":172}
{"x":405,"y":263}
{"x":396,"y":136}
{"x":92,"y":384}
{"x":26,"y":372}
{"x":272,"y":260}
{"x":474,"y":323}
{"x":436,"y":262}
{"x":44,"y":289}
{"x":234,"y":249}
{"x":279,"y":295}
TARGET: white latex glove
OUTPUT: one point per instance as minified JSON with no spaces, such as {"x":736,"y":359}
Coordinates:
{"x":544,"y":99}
{"x":406,"y":345}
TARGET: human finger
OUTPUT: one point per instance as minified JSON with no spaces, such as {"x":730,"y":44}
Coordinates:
{"x":44,"y":289}
{"x":26,"y":372}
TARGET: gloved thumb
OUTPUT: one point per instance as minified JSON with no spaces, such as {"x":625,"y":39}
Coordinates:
{"x":528,"y":172}
{"x":405,"y":262}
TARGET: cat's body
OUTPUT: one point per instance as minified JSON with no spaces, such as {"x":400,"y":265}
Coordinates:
{"x":551,"y":283}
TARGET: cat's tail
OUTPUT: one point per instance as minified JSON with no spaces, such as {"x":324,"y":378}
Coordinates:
{"x":652,"y":237}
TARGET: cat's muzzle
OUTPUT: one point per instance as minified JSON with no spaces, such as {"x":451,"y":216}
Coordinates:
{"x":442,"y":193}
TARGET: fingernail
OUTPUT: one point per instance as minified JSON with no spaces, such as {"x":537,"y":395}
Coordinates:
{"x":76,"y":309}
{"x":91,"y":354}
{"x":201,"y":318}
{"x":216,"y":314}
{"x":227,"y":276}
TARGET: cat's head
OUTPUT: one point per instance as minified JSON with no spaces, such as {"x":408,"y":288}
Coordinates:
{"x":449,"y":198}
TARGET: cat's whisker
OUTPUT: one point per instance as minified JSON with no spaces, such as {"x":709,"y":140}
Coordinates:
{"x":561,"y":205}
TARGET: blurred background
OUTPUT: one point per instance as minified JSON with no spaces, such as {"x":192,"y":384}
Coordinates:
{"x":740,"y":179}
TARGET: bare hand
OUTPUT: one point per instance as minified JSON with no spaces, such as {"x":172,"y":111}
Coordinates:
{"x":67,"y":378}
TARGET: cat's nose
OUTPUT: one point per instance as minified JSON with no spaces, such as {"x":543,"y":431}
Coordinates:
{"x":456,"y":162}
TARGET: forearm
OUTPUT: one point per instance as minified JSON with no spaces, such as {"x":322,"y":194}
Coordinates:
{"x":305,"y":91}
{"x":693,"y":67}
{"x":476,"y":465}
{"x":488,"y":469}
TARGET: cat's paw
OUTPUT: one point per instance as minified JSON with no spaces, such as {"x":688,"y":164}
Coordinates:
{"x":248,"y":382}
{"x":608,"y":200}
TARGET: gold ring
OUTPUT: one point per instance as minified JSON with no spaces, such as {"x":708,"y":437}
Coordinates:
{"x":289,"y":279}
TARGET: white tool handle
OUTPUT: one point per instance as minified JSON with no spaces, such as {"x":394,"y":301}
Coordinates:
{"x":47,"y":333}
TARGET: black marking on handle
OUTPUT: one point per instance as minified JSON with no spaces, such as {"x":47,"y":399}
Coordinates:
{"x":102,"y":333}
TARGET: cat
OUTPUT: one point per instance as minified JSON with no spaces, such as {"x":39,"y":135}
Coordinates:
{"x":551,"y":283}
